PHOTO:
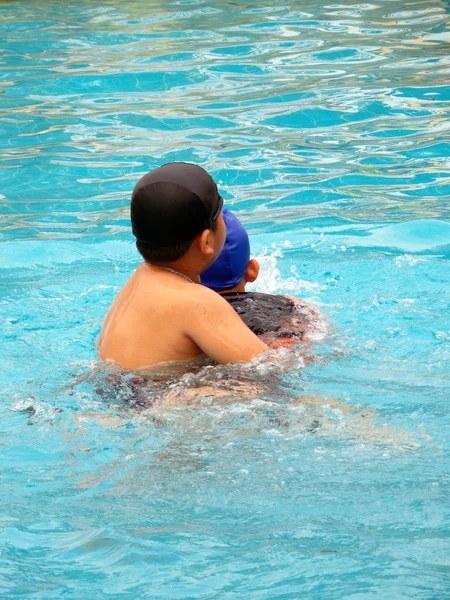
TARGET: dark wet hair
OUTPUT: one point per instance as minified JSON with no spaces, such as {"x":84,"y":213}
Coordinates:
{"x":166,"y":253}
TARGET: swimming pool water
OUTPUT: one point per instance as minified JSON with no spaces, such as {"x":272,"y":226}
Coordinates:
{"x":326,"y":126}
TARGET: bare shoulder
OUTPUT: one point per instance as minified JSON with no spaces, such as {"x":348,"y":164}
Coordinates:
{"x":200,"y":293}
{"x":203,"y":300}
{"x":207,"y":308}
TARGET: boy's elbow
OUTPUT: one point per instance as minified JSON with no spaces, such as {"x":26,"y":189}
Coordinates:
{"x":250,"y":354}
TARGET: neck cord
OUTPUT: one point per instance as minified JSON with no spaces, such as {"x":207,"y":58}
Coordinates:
{"x":176,"y":273}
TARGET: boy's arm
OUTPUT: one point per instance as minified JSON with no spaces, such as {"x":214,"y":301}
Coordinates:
{"x":218,"y":330}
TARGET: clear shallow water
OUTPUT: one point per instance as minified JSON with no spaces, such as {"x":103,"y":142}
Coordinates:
{"x":327,"y":126}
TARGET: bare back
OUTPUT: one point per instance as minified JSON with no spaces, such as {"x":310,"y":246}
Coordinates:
{"x":161,"y":317}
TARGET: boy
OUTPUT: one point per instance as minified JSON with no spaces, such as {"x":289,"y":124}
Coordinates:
{"x":161,"y":314}
{"x":278,"y":320}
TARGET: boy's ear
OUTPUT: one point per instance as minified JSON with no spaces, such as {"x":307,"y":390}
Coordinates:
{"x":252,"y":272}
{"x":204,"y":242}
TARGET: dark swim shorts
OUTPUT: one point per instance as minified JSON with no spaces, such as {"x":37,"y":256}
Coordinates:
{"x":267,"y":314}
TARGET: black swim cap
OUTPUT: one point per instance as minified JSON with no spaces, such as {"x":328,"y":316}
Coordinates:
{"x":174,"y":204}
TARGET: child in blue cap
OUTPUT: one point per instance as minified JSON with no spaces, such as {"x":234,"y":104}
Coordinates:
{"x":233,"y":268}
{"x":279,"y":320}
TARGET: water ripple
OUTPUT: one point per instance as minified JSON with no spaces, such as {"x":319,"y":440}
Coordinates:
{"x":339,"y":101}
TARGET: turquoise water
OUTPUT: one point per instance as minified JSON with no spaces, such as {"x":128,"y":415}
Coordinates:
{"x":326,"y":126}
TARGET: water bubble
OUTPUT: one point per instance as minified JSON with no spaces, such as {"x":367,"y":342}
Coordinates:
{"x":442,"y":335}
{"x":371,"y":346}
{"x":407,"y":259}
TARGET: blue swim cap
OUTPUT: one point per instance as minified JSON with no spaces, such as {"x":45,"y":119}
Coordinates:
{"x":230,"y":266}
